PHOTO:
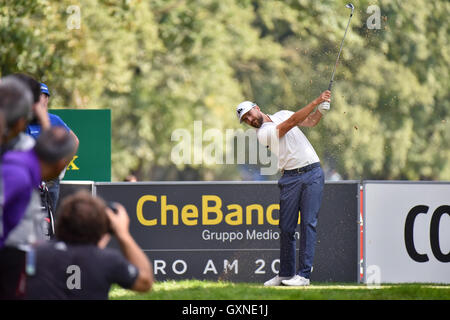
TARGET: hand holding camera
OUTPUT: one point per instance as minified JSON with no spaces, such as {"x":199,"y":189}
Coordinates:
{"x":118,"y":218}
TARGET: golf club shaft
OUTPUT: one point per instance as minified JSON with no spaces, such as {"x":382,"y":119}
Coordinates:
{"x":325,"y":106}
{"x":339,"y":54}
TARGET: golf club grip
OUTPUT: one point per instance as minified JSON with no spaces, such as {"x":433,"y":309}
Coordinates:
{"x":330,"y":85}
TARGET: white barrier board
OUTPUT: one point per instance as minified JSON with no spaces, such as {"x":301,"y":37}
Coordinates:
{"x":407,"y":232}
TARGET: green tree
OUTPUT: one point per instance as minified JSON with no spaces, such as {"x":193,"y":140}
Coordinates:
{"x":160,"y":65}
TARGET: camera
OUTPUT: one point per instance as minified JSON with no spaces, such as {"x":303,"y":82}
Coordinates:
{"x":112,"y":206}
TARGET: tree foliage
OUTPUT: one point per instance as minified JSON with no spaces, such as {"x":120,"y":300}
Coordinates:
{"x":163,"y":64}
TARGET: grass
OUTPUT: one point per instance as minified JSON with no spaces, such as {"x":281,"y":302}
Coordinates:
{"x":220,"y":290}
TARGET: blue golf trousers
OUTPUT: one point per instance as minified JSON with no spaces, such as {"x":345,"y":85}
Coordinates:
{"x":299,"y":191}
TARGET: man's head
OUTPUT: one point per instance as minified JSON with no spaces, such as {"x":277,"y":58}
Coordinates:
{"x":54,"y":148}
{"x":250,"y":113}
{"x":16,"y":103}
{"x":82,"y":219}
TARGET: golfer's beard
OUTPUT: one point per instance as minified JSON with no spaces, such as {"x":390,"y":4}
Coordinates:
{"x":257,"y":123}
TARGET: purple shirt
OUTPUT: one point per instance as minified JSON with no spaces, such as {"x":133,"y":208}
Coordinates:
{"x":21,"y":174}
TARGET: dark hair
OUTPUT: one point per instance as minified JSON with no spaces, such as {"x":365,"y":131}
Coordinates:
{"x":15,"y":100}
{"x":33,"y":85}
{"x":82,"y":219}
{"x":54,"y":144}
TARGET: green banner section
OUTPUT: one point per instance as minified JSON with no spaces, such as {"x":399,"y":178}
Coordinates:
{"x":93,"y":129}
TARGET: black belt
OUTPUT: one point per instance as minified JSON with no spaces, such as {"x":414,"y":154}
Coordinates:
{"x":302,"y":169}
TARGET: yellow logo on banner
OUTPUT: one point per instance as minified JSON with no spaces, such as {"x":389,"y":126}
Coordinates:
{"x":211,"y":213}
{"x":72,"y":165}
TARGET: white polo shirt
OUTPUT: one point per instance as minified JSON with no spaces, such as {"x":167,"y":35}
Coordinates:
{"x":293,"y":150}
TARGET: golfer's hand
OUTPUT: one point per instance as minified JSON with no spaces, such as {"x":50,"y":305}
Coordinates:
{"x":324,"y":102}
{"x":325,"y":96}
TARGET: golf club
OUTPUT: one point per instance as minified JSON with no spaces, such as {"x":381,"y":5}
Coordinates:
{"x":326,"y":105}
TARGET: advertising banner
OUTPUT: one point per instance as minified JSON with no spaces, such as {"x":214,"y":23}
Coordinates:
{"x":67,"y":188}
{"x":93,"y":129}
{"x":229,"y":230}
{"x":407,"y":232}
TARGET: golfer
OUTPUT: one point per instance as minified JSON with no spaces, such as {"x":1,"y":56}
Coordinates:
{"x":301,"y":185}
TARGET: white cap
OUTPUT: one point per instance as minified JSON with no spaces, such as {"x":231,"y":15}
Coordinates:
{"x":243,"y":108}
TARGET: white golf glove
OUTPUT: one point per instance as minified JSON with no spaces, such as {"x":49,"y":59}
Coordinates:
{"x":324,"y":107}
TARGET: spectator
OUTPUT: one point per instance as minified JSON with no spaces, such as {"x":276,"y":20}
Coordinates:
{"x":34,"y":129}
{"x":130,"y":178}
{"x":82,"y":233}
{"x":39,"y":109}
{"x":333,"y":175}
{"x":16,"y":103}
{"x":23,"y":219}
{"x":33,"y":121}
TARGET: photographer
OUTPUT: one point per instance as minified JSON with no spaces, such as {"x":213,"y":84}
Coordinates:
{"x":22,"y":220}
{"x":78,"y":265}
{"x":34,"y":129}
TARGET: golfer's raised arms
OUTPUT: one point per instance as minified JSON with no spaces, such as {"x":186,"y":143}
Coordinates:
{"x":303,"y":117}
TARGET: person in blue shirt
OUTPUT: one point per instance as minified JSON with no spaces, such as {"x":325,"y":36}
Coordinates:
{"x":34,"y":129}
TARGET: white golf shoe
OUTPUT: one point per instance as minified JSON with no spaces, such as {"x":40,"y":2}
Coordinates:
{"x":297,"y":281}
{"x":275,"y":281}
